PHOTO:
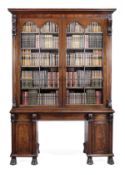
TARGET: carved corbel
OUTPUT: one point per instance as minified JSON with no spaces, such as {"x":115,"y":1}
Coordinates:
{"x":90,"y":117}
{"x":34,"y":117}
{"x":14,"y":20}
{"x":109,"y":28}
{"x":14,"y":102}
{"x":109,"y":103}
{"x":13,"y":118}
{"x":110,"y":117}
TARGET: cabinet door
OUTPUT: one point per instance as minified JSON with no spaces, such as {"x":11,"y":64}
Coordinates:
{"x":40,"y":63}
{"x":24,"y":132}
{"x":98,"y":139}
{"x":84,"y":63}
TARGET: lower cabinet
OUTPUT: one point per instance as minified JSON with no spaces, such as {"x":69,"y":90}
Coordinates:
{"x":98,"y":136}
{"x":24,"y":136}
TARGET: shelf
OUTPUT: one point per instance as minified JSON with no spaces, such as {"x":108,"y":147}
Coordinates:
{"x":83,"y":88}
{"x":49,"y":33}
{"x":81,"y":104}
{"x":31,"y":88}
{"x":30,"y":48}
{"x":37,"y":67}
{"x":84,"y":33}
{"x":93,"y":48}
{"x":82,"y":49}
{"x":30,"y":33}
{"x":41,"y":33}
{"x":49,"y":49}
{"x":75,"y":33}
{"x":40,"y":88}
{"x":82,"y":66}
{"x":93,"y":33}
{"x":41,"y":49}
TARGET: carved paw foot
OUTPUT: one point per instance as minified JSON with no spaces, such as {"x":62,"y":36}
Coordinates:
{"x":110,"y":160}
{"x":90,"y":161}
{"x":34,"y":161}
{"x":13,"y":161}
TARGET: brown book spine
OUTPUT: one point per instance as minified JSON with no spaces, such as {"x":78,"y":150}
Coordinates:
{"x":70,"y":79}
{"x":49,"y":79}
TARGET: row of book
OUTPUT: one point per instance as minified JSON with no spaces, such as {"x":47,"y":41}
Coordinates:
{"x":93,"y":41}
{"x":30,"y":58}
{"x":84,"y":58}
{"x":81,"y":78}
{"x":33,"y":97}
{"x":49,"y":41}
{"x":39,"y":41}
{"x":29,"y":41}
{"x":47,"y":27}
{"x":75,"y":41}
{"x":76,"y":27}
{"x":84,"y":41}
{"x":93,"y":27}
{"x":87,"y":97}
{"x":52,"y":27}
{"x":30,"y":27}
{"x":40,"y":79}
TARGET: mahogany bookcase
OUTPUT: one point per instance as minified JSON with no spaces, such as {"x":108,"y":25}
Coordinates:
{"x":62,"y":66}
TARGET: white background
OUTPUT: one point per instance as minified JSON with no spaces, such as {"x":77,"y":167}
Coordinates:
{"x":61,"y":142}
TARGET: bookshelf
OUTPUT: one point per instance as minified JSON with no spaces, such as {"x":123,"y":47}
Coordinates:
{"x":62,"y":71}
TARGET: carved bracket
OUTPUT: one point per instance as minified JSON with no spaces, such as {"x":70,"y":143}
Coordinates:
{"x":13,"y":118}
{"x":14,"y":102}
{"x":111,"y":117}
{"x":109,"y":28}
{"x":90,"y":116}
{"x":14,"y":20}
{"x":34,"y":117}
{"x":109,"y":103}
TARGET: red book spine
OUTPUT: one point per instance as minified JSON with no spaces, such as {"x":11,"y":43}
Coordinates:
{"x":25,"y":98}
{"x":98,"y":97}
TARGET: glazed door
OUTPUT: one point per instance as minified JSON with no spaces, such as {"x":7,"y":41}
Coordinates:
{"x":84,"y":81}
{"x":40,"y":62}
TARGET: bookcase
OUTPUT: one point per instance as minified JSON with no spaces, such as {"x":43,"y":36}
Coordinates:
{"x":62,"y":66}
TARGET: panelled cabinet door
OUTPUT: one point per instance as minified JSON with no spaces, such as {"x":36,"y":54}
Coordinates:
{"x":99,"y":139}
{"x":24,"y":138}
{"x":40,"y":64}
{"x":24,"y":132}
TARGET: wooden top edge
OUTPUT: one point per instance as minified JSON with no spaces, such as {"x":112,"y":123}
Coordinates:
{"x":52,"y":10}
{"x":22,"y":110}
